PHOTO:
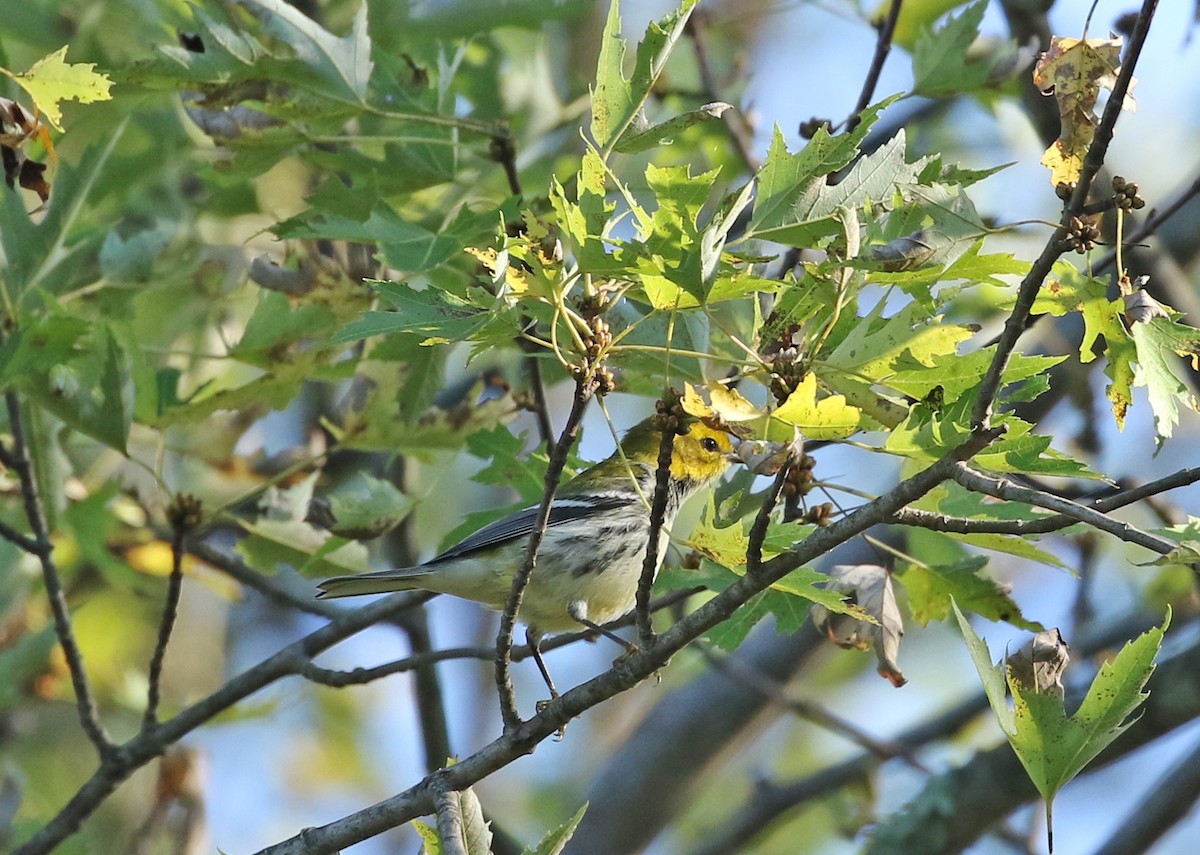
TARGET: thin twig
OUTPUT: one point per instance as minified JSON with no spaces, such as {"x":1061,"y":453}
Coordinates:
{"x":537,"y":389}
{"x":166,"y":625}
{"x":762,"y":521}
{"x":883,"y":45}
{"x":18,"y":460}
{"x":22,"y":541}
{"x":1049,"y":523}
{"x":1004,"y":489}
{"x":1032,"y":283}
{"x":658,"y":513}
{"x":584,"y":387}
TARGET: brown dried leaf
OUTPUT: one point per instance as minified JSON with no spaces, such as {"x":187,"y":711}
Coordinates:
{"x":1039,"y":665}
{"x":1140,"y":307}
{"x":870,"y":586}
{"x":17,"y":127}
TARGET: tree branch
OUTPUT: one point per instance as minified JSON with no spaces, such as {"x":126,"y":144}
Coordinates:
{"x":883,"y":45}
{"x":170,"y":610}
{"x":120,"y":762}
{"x":525,"y":735}
{"x":18,"y":460}
{"x":1027,"y":293}
{"x":658,"y":511}
{"x":1003,"y":489}
{"x":1046,"y":524}
{"x":584,"y":387}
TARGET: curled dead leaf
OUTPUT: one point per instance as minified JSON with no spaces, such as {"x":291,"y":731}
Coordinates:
{"x":870,"y":587}
{"x":1140,"y":307}
{"x":1039,"y":664}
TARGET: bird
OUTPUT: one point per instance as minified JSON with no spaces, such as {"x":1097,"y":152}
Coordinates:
{"x":591,"y":557}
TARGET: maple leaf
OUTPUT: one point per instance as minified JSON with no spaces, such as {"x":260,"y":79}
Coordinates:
{"x":1074,"y":71}
{"x":52,"y":80}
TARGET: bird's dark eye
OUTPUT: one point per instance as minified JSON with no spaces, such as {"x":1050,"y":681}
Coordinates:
{"x":708,"y":444}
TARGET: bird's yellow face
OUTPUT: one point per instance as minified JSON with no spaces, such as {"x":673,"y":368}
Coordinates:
{"x":701,"y":455}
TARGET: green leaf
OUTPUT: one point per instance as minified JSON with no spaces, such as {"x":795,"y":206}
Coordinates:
{"x":405,"y":245}
{"x":1053,"y":747}
{"x":555,"y":840}
{"x":612,"y":97}
{"x":434,"y":314}
{"x":276,"y":323}
{"x":940,"y":62}
{"x":784,"y":177}
{"x":876,"y":347}
{"x":507,"y":464}
{"x":431,"y":841}
{"x":1068,"y":290}
{"x":933,"y":589}
{"x":52,"y":80}
{"x":726,"y":548}
{"x":800,"y":215}
{"x":995,"y":684}
{"x":617,"y":101}
{"x":1155,"y":341}
{"x":345,"y":62}
{"x":270,"y":543}
{"x":664,"y":133}
{"x":366,"y":507}
{"x":48,"y":257}
{"x":77,"y":371}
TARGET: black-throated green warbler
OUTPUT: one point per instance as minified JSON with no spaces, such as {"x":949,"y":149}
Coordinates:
{"x":590,"y":561}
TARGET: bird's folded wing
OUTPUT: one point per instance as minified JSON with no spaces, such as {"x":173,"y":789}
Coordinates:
{"x":520,"y":524}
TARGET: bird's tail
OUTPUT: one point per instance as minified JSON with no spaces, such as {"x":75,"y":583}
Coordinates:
{"x":379,"y":582}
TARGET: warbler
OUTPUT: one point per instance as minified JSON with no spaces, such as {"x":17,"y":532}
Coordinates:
{"x":591,"y":557}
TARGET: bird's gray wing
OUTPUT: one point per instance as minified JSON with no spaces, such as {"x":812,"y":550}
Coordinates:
{"x":521,"y":523}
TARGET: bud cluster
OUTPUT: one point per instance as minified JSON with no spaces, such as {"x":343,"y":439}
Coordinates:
{"x":787,"y":370}
{"x":185,"y":512}
{"x":1125,"y":194}
{"x":1082,"y":234}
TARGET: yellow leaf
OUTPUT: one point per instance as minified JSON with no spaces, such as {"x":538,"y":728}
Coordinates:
{"x":694,"y":405}
{"x":1074,"y":71}
{"x":52,"y":79}
{"x":730,"y":404}
{"x":829,"y":418}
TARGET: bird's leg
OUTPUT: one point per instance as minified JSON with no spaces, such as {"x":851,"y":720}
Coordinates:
{"x":578,"y":613}
{"x":534,"y":640}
